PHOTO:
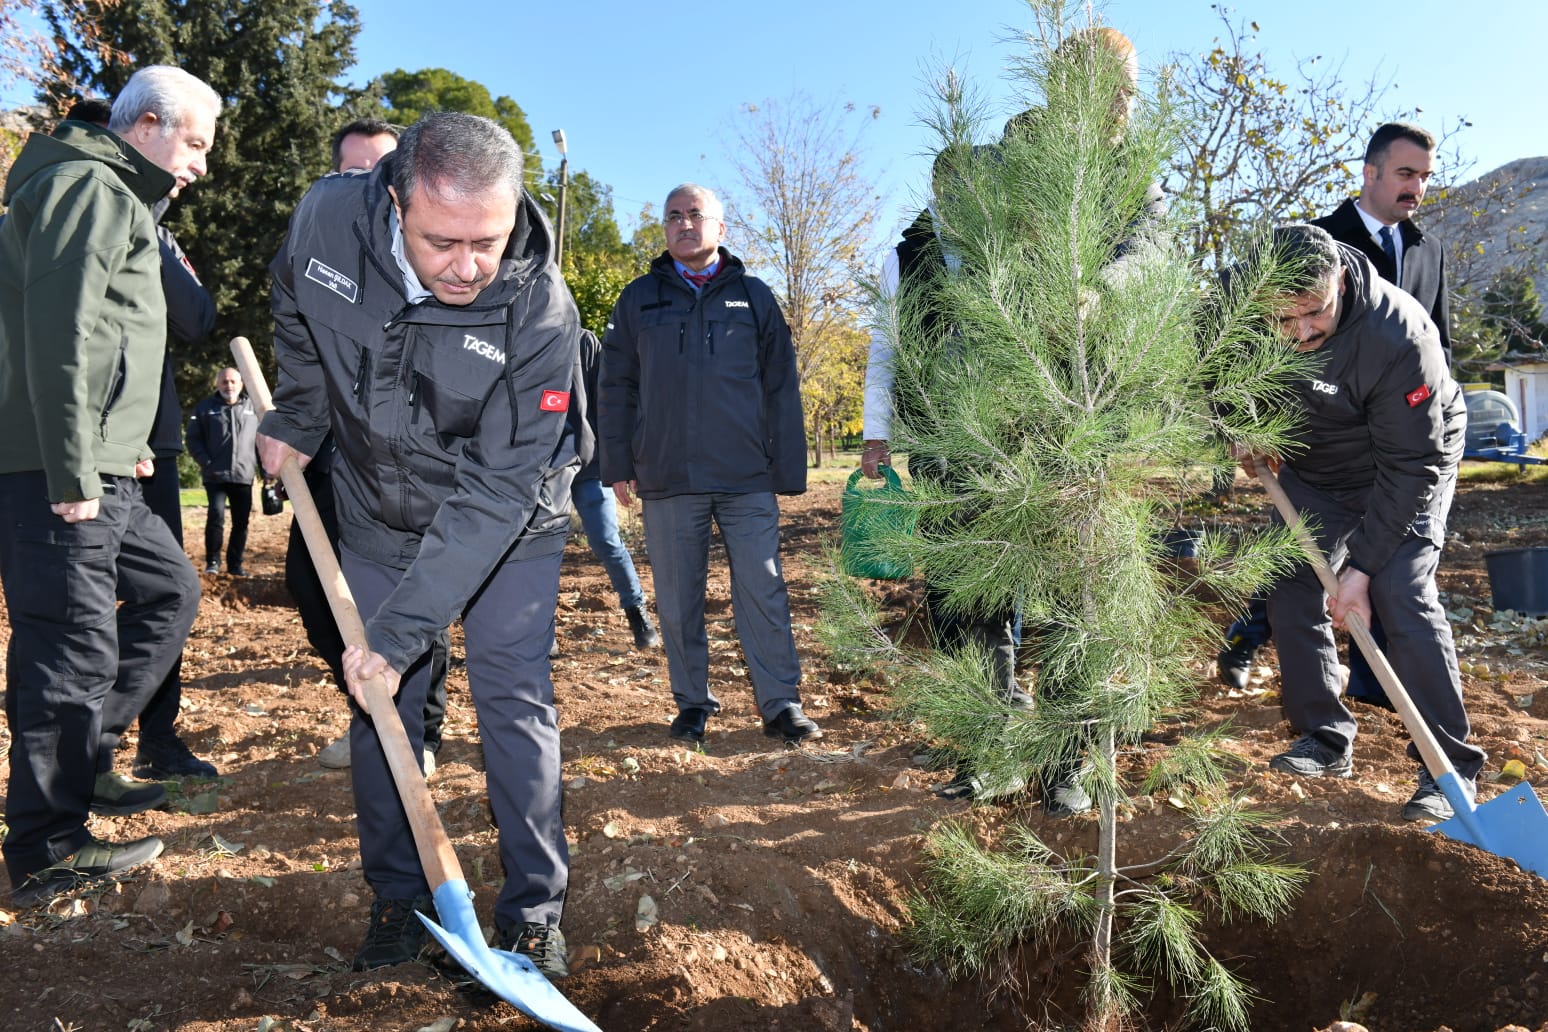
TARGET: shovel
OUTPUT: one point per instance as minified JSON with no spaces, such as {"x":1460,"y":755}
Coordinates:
{"x":1513,"y":825}
{"x":511,"y":976}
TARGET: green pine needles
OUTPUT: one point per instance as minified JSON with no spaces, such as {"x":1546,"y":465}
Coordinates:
{"x":1058,"y":368}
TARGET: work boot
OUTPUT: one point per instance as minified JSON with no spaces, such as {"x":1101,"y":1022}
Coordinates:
{"x":93,"y":861}
{"x":1429,"y":803}
{"x":335,"y":756}
{"x":117,"y":795}
{"x":645,"y":636}
{"x":542,"y":944}
{"x":1234,"y":663}
{"x":167,"y":759}
{"x":1310,"y":758}
{"x":396,"y":935}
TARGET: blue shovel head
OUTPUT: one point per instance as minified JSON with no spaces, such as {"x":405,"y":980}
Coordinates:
{"x":510,"y":976}
{"x":1513,"y":825}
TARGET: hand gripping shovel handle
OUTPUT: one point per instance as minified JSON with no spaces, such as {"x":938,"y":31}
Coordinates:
{"x":435,"y":848}
{"x":1429,"y":749}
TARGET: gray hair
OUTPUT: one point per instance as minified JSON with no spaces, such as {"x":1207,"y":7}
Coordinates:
{"x":687,"y":188}
{"x":457,"y":154}
{"x":1307,"y":253}
{"x":164,"y":91}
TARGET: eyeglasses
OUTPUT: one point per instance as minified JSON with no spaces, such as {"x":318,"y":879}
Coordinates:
{"x":698,"y":218}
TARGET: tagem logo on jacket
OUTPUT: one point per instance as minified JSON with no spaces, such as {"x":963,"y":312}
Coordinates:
{"x":1418,"y":396}
{"x":1323,"y":387}
{"x":482,"y":348}
{"x":737,"y":304}
{"x":555,"y":401}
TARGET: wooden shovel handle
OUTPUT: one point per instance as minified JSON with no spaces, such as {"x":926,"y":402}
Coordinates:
{"x":1436,"y":760}
{"x":435,"y":849}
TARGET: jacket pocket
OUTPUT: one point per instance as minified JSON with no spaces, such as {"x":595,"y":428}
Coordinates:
{"x":450,"y":390}
{"x":116,"y":384}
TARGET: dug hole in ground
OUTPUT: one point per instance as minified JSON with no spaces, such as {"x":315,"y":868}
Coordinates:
{"x":749,"y":887}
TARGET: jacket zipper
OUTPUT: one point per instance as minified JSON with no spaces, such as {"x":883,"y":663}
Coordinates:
{"x":413,"y":398}
{"x":710,"y":336}
{"x":116,"y":389}
{"x":362,"y":375}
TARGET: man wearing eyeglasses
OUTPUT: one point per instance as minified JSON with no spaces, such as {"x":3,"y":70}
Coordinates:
{"x":700,"y":416}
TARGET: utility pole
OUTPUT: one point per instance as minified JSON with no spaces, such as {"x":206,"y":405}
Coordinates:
{"x":564,"y":181}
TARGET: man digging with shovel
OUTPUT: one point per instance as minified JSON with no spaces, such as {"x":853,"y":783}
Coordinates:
{"x":1375,"y":470}
{"x":419,"y":317}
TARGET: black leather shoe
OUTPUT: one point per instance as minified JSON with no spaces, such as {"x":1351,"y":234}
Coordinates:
{"x":792,"y":725}
{"x":645,"y":636}
{"x":1234,"y":663}
{"x":688,"y":726}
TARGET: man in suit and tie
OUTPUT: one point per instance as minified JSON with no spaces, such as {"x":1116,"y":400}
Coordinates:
{"x":1379,"y":224}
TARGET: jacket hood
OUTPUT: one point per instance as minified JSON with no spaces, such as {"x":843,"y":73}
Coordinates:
{"x":81,"y":141}
{"x":529,"y":249}
{"x":1359,"y":275}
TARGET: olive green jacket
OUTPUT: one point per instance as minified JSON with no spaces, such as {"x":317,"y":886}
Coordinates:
{"x":83,"y":323}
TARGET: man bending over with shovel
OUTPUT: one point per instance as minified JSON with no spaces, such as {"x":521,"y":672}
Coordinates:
{"x":1375,"y":470}
{"x":419,"y":316}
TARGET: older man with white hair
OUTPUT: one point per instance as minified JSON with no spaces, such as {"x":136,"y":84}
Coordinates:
{"x":97,"y":589}
{"x":700,"y":415}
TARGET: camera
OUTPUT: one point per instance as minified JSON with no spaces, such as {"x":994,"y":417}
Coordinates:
{"x":273,"y":502}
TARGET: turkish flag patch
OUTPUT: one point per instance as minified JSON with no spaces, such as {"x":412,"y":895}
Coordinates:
{"x":1418,"y":395}
{"x":559,"y":401}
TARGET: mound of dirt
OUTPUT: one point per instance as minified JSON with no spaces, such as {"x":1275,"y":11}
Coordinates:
{"x":749,"y":887}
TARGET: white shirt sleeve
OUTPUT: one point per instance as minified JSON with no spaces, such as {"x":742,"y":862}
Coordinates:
{"x":878,"y":368}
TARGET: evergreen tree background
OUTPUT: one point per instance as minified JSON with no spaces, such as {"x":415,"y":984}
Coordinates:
{"x":1066,"y":398}
{"x":278,"y":66}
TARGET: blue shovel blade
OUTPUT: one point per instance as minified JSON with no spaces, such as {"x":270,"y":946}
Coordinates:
{"x":510,"y":976}
{"x":1513,"y":825}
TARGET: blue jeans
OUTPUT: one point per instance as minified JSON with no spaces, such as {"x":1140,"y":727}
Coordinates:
{"x":599,"y":515}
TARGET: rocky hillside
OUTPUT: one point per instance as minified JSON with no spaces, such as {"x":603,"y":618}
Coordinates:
{"x":1497,"y":221}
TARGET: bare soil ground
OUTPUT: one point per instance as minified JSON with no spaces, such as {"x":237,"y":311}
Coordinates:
{"x":776,"y":878}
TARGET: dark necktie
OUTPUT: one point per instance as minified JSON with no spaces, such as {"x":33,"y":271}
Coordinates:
{"x":1390,"y":246}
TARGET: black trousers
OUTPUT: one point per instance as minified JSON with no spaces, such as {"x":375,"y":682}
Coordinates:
{"x":1403,"y":597}
{"x":322,"y":631}
{"x":97,"y":606}
{"x":241,"y":498}
{"x":998,"y":634}
{"x":159,"y":716}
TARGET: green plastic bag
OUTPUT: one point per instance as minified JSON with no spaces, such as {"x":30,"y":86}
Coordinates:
{"x":867,"y":515}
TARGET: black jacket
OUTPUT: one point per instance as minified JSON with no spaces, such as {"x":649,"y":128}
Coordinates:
{"x":223,"y":440}
{"x":1424,"y":263}
{"x":700,"y":393}
{"x":458,"y":428}
{"x":1384,"y":421}
{"x":190,"y":318}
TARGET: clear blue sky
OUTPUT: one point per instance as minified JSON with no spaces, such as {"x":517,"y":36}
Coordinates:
{"x":646,"y":99}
